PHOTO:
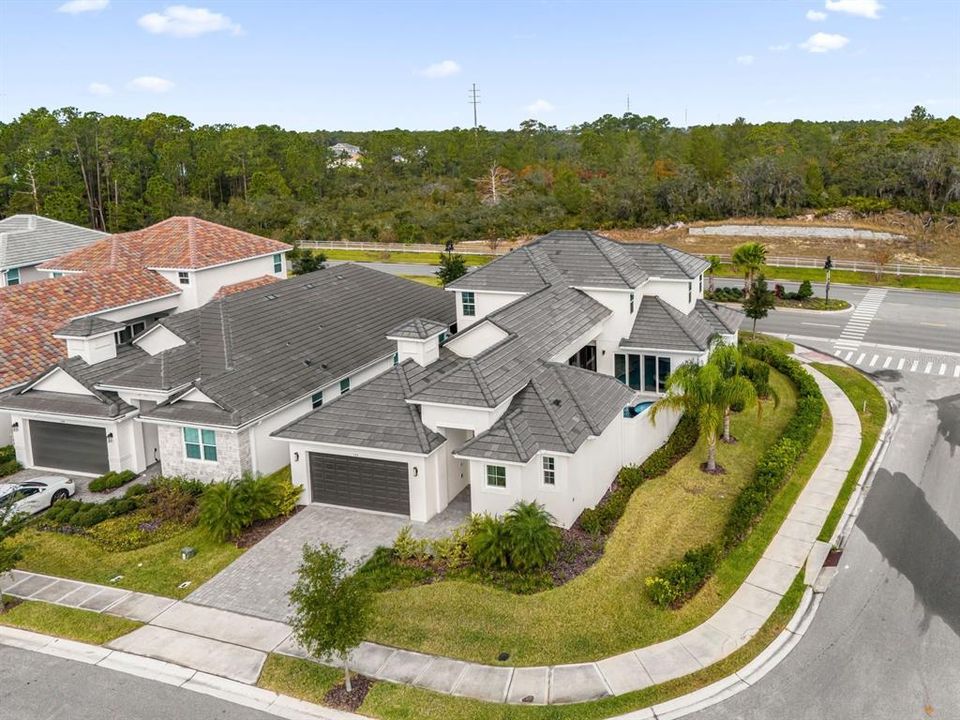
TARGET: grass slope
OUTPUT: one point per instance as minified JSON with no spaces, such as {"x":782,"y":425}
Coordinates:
{"x":665,"y":517}
{"x":81,"y":625}
{"x":872,"y":409}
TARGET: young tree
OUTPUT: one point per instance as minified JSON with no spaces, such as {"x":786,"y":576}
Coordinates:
{"x":715,"y":263}
{"x":749,"y":258}
{"x":805,"y":291}
{"x":735,"y":390}
{"x":452,"y":266}
{"x":759,"y":302}
{"x":332,"y":606}
{"x":696,"y":389}
{"x":305,"y":261}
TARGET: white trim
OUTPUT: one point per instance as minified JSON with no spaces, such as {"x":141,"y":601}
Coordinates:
{"x":367,"y":448}
{"x":173,"y":423}
{"x":101,"y":311}
{"x":489,"y":461}
{"x":491,"y":292}
{"x":151,"y":329}
{"x":223,"y":264}
{"x":659,"y":350}
{"x":39,"y":415}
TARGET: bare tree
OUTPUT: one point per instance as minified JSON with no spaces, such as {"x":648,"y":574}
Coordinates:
{"x":881,"y":255}
{"x":495,"y":184}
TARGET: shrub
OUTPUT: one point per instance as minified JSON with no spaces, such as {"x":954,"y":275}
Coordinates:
{"x":533,"y":541}
{"x":8,"y":461}
{"x":78,"y":514}
{"x":758,"y":373}
{"x":225,"y":511}
{"x":681,"y":579}
{"x":805,"y":291}
{"x":452,"y":551}
{"x":111,"y":481}
{"x":489,"y":543}
{"x":408,"y":547}
{"x":171,"y":502}
{"x":131,"y":531}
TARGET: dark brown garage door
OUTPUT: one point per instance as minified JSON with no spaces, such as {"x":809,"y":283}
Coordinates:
{"x":359,"y":482}
{"x":69,"y":447}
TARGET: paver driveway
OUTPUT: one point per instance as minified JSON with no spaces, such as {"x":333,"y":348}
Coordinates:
{"x":257,"y":582}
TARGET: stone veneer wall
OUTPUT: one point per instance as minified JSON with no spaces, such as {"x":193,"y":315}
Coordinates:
{"x":233,"y":456}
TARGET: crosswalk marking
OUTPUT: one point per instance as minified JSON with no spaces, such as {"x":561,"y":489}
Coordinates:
{"x":886,"y":363}
{"x":956,"y":371}
{"x":943,"y":369}
{"x":928,"y":368}
{"x":876,"y":362}
{"x":849,"y":355}
{"x":860,"y":319}
{"x":901,"y":363}
{"x":913,"y":367}
{"x":860,"y":359}
{"x":873,"y":361}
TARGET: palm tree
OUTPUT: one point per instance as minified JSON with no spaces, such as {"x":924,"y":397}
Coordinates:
{"x":697,"y":389}
{"x":735,"y":390}
{"x":715,"y":263}
{"x":749,"y":258}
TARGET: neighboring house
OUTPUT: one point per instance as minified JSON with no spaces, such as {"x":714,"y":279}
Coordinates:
{"x":28,"y":240}
{"x":202,"y":390}
{"x":131,"y":280}
{"x":541,"y":395}
{"x":345,"y":155}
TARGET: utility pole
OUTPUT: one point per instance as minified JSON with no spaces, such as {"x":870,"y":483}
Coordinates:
{"x":628,"y":103}
{"x":828,"y":266}
{"x":474,"y":100}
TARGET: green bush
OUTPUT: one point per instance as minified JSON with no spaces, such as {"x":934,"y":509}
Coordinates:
{"x":131,"y":531}
{"x":111,"y":481}
{"x":533,"y":541}
{"x":452,"y":551}
{"x":681,"y":579}
{"x":227,"y":508}
{"x":169,"y":500}
{"x":8,"y":461}
{"x":805,"y":291}
{"x":489,"y":543}
{"x":408,"y":547}
{"x":601,"y":519}
{"x":78,"y":514}
{"x":758,"y":373}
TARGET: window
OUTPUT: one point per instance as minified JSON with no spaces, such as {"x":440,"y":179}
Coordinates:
{"x":345,"y":386}
{"x":13,"y":276}
{"x":650,"y":373}
{"x":620,"y":367}
{"x":690,"y":292}
{"x":396,"y":358}
{"x":496,"y":476}
{"x":469,"y":304}
{"x":633,"y":365}
{"x":701,"y":284}
{"x":183,"y":277}
{"x":549,"y":470}
{"x":200,"y":443}
{"x":631,"y":303}
{"x":316,"y":400}
{"x":278,"y":263}
{"x":57,"y":274}
{"x":663,"y":372}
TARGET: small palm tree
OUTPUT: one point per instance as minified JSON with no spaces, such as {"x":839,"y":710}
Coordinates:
{"x":697,"y":389}
{"x":735,"y":390}
{"x":749,"y":258}
{"x":715,"y":264}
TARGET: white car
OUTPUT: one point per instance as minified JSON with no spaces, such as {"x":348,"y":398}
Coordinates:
{"x":32,"y":496}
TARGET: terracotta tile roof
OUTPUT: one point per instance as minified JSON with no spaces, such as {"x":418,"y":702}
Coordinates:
{"x":32,"y":312}
{"x":182,"y":243}
{"x":245,"y":285}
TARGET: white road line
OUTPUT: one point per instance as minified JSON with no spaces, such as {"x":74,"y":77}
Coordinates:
{"x":956,"y":371}
{"x":860,"y":359}
{"x":873,"y":360}
{"x":943,"y":369}
{"x":901,"y":363}
{"x":913,"y":367}
{"x":821,"y":324}
{"x":928,"y":368}
{"x":886,"y":363}
{"x":849,"y":355}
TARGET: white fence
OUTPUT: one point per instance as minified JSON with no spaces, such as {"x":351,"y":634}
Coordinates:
{"x":892,"y":268}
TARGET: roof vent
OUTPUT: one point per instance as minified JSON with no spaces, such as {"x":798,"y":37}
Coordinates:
{"x":557,"y":402}
{"x":271,"y":297}
{"x":323,"y":365}
{"x":308,"y":286}
{"x":308,"y":362}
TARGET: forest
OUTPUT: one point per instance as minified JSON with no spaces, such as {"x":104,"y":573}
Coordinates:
{"x":116,"y":173}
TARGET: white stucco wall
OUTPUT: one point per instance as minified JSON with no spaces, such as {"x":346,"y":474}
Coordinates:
{"x":28,"y":273}
{"x":60,"y":382}
{"x":205,"y":283}
{"x":461,"y":417}
{"x":124,"y":451}
{"x":615,"y":327}
{"x":481,"y":335}
{"x":160,"y":306}
{"x":675,"y":292}
{"x":486,"y":303}
{"x":92,"y":349}
{"x":157,"y":339}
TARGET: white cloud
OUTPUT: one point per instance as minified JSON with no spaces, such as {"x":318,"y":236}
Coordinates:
{"x":97,"y":88}
{"x":75,"y":7}
{"x":824,"y":42}
{"x":151,"y":83}
{"x":540,"y":106}
{"x":816,"y":15}
{"x":863,"y":8}
{"x":183,"y":21}
{"x":442,"y":69}
{"x":779,"y":48}
{"x":745,"y":60}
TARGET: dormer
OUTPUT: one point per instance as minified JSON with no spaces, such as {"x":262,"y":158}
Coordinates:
{"x":418,"y":340}
{"x":91,"y":338}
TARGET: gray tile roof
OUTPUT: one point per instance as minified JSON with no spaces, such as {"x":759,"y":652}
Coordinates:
{"x":557,"y":411}
{"x":374,"y":415}
{"x":538,"y":326}
{"x":419,"y":329}
{"x":661,"y":326}
{"x":194,"y":413}
{"x":663,"y":261}
{"x":571,"y":257}
{"x":31,"y":239}
{"x":255,"y":351}
{"x":88,"y":326}
{"x":721,"y":319}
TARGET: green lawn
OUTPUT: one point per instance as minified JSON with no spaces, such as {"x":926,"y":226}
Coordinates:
{"x":784,"y":346}
{"x":872,"y":409}
{"x":420,"y":258}
{"x":388,"y":701}
{"x":425,"y":279}
{"x":937,"y":284}
{"x":154,"y":569}
{"x":71,"y":623}
{"x":665,"y":517}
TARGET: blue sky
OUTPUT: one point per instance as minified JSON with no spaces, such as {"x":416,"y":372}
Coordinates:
{"x":373,"y":65}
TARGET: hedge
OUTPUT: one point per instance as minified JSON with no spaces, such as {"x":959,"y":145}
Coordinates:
{"x":111,"y":481}
{"x":601,"y":520}
{"x":8,"y":461}
{"x":680,"y":580}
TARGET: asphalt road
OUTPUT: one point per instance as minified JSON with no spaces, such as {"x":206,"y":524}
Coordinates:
{"x":34,"y":686}
{"x":885,"y":643}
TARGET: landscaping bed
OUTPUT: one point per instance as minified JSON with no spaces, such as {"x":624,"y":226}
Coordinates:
{"x":802,"y":300}
{"x":665,"y":517}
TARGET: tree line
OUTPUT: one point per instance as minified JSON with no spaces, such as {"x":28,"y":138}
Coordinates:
{"x":116,"y":173}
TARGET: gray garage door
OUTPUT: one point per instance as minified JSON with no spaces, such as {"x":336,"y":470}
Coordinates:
{"x":69,"y":447}
{"x":361,"y":483}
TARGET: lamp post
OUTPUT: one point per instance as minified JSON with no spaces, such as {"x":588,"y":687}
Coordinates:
{"x":828,"y":265}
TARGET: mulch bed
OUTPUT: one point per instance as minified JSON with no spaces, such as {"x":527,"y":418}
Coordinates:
{"x":259,"y":530}
{"x":339,"y":698}
{"x":9,"y":603}
{"x":579,"y":551}
{"x":718,"y":470}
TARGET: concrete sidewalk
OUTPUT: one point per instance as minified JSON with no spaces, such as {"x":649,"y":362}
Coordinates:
{"x":234,"y":646}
